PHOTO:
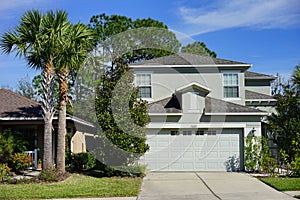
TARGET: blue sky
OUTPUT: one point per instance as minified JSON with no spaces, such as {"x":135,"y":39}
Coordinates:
{"x":263,"y":33}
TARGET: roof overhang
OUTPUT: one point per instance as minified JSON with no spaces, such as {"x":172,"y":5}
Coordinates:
{"x":74,"y":119}
{"x":21,"y":118}
{"x":261,"y":78}
{"x":165,"y":114}
{"x":239,"y":113}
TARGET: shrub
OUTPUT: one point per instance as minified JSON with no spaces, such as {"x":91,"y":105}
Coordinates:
{"x":9,"y":144}
{"x":21,"y":161}
{"x":82,"y":161}
{"x":258,"y":157}
{"x":295,"y":167}
{"x":49,"y":175}
{"x":4,"y":172}
{"x":122,"y":171}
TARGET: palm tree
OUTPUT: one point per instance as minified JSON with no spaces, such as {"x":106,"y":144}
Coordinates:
{"x":74,"y":51}
{"x":37,"y":38}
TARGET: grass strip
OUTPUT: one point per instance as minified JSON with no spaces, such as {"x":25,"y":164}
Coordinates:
{"x":74,"y":187}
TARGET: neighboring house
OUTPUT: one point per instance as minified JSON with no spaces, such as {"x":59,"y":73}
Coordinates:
{"x":23,"y":115}
{"x":200,"y":111}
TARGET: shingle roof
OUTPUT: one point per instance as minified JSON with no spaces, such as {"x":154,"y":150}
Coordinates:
{"x":167,"y":105}
{"x":256,"y":95}
{"x":213,"y":105}
{"x":188,"y":59}
{"x":254,"y":75}
{"x":15,"y":105}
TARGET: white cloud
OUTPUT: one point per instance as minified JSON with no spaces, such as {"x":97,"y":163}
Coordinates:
{"x":258,"y":14}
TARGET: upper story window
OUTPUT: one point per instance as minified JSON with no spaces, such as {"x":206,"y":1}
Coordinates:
{"x":231,"y":85}
{"x":143,"y":81}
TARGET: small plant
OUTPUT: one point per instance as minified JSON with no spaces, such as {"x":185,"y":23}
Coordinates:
{"x":82,"y":161}
{"x":39,"y":164}
{"x":4,"y":172}
{"x":21,"y":161}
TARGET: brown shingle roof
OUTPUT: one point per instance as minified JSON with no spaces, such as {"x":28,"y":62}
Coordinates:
{"x":167,"y":105}
{"x":188,"y":59}
{"x":254,"y":75}
{"x":256,"y":95}
{"x":213,"y":105}
{"x":15,"y":105}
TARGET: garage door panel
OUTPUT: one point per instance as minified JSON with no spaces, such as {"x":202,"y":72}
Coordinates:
{"x":191,"y":152}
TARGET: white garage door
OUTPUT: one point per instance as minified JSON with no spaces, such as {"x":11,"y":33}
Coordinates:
{"x":195,"y":151}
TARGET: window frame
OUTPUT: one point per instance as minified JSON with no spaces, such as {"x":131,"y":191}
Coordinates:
{"x":229,"y":84}
{"x":144,"y":85}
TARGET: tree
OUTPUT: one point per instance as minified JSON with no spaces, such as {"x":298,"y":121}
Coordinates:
{"x":125,"y":41}
{"x":25,"y":88}
{"x":38,"y":39}
{"x":78,"y":41}
{"x":285,"y":122}
{"x":198,"y":48}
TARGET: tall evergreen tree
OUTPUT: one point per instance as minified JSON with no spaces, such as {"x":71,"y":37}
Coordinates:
{"x":285,"y":122}
{"x":121,"y":115}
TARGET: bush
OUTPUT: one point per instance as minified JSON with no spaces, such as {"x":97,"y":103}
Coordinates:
{"x":21,"y":161}
{"x":4,"y":172}
{"x":295,"y":167}
{"x":10,"y":144}
{"x":82,"y":161}
{"x":122,"y":171}
{"x":50,"y":175}
{"x":258,"y":157}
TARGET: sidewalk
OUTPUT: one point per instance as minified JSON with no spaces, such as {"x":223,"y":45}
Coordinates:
{"x":109,"y":198}
{"x":292,"y":193}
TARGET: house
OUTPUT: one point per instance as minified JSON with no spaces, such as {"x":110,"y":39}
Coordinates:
{"x":23,"y":115}
{"x":201,"y":109}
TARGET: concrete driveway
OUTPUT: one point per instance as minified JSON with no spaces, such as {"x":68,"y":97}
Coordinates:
{"x":211,"y":185}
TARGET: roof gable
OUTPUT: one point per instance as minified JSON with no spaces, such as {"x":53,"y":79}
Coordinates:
{"x":195,"y":87}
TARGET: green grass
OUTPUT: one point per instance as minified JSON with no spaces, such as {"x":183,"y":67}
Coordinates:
{"x":74,"y":186}
{"x":283,"y":184}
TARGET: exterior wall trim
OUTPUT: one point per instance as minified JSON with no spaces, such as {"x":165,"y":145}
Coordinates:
{"x":237,"y":114}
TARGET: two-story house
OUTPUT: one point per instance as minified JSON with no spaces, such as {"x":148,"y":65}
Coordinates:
{"x":201,"y":109}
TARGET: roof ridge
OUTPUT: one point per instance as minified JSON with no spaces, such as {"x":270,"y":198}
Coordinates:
{"x":21,"y":96}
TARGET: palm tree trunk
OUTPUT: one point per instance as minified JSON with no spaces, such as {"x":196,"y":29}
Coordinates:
{"x":61,"y":137}
{"x":48,"y":113}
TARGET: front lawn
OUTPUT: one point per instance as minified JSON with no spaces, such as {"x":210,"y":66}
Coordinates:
{"x":73,"y":187}
{"x":283,"y":184}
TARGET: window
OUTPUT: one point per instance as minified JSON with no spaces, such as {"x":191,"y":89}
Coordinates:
{"x":143,"y":81}
{"x":199,"y":132}
{"x":174,"y":132}
{"x":231,"y":85}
